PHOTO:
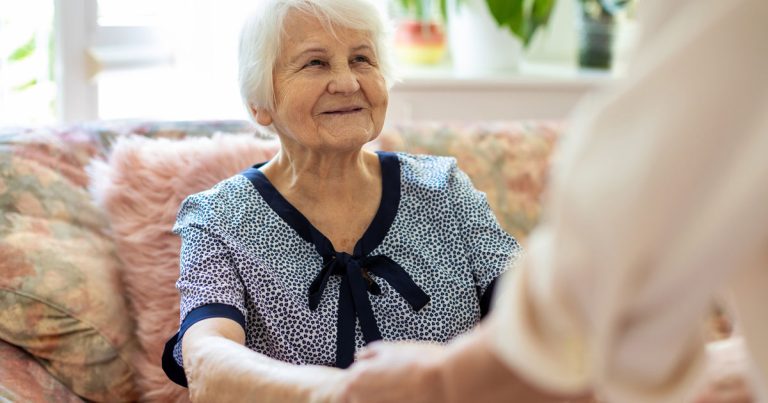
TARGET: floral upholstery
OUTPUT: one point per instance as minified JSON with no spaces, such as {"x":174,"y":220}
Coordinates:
{"x":59,"y":281}
{"x":24,"y":380}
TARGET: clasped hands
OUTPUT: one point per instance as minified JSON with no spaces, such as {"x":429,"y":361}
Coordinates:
{"x":466,"y":370}
{"x":415,"y":372}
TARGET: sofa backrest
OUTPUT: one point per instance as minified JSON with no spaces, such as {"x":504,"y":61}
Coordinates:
{"x":508,"y":161}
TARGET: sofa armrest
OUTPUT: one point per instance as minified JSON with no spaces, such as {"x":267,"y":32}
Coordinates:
{"x":23,"y":379}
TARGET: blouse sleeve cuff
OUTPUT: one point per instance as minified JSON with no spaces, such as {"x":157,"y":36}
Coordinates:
{"x":173,"y":370}
{"x":486,"y":298}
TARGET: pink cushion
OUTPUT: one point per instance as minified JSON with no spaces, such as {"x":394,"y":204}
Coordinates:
{"x":141,"y":187}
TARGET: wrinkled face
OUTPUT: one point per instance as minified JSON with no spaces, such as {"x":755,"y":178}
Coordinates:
{"x":329,"y":92}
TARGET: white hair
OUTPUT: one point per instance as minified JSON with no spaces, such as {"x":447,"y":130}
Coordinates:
{"x":261,"y":35}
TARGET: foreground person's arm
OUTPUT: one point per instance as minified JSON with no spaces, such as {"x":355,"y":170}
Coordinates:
{"x":474,"y":372}
{"x":657,"y":203}
{"x":467,"y":370}
{"x":220,"y":368}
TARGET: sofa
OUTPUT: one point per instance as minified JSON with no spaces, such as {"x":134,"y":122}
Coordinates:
{"x":88,"y":262}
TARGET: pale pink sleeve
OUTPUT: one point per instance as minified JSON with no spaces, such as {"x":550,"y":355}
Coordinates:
{"x":658,"y":196}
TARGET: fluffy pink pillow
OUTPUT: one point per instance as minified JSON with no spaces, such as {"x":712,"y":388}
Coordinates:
{"x":141,"y":187}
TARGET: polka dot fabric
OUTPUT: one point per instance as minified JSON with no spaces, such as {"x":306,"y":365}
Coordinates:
{"x":237,"y":251}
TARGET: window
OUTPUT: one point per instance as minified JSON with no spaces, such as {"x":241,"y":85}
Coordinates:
{"x":79,"y":60}
{"x":168,"y":60}
{"x":27,"y":89}
{"x":136,"y":13}
{"x":145,"y":59}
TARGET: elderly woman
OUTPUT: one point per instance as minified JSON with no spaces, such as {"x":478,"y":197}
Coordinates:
{"x":292,"y":266}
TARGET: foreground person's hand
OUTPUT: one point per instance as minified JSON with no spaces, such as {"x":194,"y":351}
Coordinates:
{"x":726,"y":377}
{"x":397,"y":372}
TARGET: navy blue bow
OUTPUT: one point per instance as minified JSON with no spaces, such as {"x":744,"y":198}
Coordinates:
{"x":353,"y":298}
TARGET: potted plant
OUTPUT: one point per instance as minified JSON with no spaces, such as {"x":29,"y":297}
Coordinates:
{"x":420,"y":36}
{"x":522,"y":18}
{"x":485,"y":35}
{"x":598,"y":31}
{"x":489,"y":35}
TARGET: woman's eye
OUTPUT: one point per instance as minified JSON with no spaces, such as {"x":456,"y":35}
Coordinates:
{"x":314,"y":62}
{"x":361,"y":59}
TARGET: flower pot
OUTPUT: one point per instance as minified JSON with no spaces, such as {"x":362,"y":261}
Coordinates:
{"x":596,"y":40}
{"x":478,"y":45}
{"x":419,"y":42}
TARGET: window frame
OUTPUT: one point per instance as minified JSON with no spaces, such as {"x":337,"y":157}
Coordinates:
{"x":84,"y":48}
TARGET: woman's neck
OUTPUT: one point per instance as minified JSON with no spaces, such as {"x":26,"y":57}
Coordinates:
{"x":316,"y":174}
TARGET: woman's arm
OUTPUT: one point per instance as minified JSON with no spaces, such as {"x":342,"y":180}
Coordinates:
{"x":217,"y":365}
{"x":220,"y":368}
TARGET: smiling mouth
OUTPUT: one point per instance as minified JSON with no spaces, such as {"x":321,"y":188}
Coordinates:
{"x":343,"y":111}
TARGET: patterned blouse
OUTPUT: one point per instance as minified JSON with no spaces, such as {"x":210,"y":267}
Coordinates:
{"x":423,"y":270}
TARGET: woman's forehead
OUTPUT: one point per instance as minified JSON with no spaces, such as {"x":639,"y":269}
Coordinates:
{"x":301,"y":29}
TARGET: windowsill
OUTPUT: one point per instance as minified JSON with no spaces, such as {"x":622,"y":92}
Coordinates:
{"x":529,"y":76}
{"x":534,"y":91}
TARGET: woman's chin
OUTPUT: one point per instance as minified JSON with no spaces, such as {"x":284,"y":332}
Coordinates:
{"x":348,"y":137}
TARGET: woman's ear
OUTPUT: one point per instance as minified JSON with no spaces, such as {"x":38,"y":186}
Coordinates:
{"x":262,"y":115}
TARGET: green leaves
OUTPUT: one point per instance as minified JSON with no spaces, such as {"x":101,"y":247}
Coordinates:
{"x":418,"y":9}
{"x":23,"y":51}
{"x":444,"y":9}
{"x":27,"y":85}
{"x":507,"y":14}
{"x":19,"y":54}
{"x":540,"y":13}
{"x":521,"y":17}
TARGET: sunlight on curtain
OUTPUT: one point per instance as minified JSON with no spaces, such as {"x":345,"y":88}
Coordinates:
{"x":201,"y":80}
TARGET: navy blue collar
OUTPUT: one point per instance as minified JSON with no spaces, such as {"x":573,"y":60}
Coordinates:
{"x":374,"y":234}
{"x":356,"y":283}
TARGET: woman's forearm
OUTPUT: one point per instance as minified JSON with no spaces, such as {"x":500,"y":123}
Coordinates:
{"x":220,"y":368}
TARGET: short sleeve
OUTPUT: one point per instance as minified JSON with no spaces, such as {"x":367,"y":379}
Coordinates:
{"x":209,"y":284}
{"x":207,"y":272}
{"x":490,"y":249}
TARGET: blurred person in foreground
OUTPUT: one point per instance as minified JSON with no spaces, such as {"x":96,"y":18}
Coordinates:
{"x":658,"y":205}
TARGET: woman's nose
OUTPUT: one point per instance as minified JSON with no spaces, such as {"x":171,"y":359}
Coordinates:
{"x":343,"y":81}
